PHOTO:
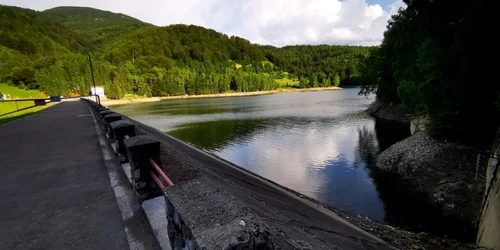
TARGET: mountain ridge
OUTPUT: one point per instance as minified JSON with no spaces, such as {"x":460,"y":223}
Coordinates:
{"x":61,"y":13}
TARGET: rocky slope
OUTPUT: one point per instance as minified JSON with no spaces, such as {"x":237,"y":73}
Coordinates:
{"x":449,"y":173}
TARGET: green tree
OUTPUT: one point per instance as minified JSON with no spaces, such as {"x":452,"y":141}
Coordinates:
{"x":303,"y":82}
{"x":23,"y":77}
{"x":313,"y":81}
{"x":428,"y":60}
{"x":326,"y":83}
{"x":336,"y":81}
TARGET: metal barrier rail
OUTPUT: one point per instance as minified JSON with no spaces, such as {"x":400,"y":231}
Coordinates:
{"x":158,"y":169}
{"x":161,"y":173}
{"x":157,"y":181}
{"x":54,"y":99}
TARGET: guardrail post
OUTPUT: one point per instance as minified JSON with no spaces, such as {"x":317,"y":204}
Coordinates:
{"x":108,"y":119}
{"x":140,"y":149}
{"x":103,"y":113}
{"x":122,"y":128}
{"x":99,"y":108}
{"x":93,"y":105}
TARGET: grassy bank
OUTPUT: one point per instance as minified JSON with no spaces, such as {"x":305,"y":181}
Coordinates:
{"x":19,"y":114}
{"x":136,"y":99}
{"x":10,"y":111}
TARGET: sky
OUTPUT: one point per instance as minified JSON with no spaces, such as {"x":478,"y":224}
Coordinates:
{"x":274,"y":22}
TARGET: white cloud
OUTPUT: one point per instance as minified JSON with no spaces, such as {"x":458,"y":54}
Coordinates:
{"x":276,"y":22}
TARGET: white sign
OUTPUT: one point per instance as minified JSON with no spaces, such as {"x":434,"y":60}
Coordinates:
{"x":99,"y":90}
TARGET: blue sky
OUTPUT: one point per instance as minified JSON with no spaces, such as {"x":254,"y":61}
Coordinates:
{"x":275,"y":22}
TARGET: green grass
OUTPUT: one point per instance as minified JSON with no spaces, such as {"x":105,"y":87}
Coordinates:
{"x":20,"y":114}
{"x":287,"y":82}
{"x":8,"y":110}
{"x":16,"y":93}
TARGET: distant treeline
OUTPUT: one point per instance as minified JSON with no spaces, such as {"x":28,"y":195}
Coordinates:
{"x":40,"y":50}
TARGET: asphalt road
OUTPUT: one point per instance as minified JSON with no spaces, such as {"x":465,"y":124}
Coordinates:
{"x":55,"y":188}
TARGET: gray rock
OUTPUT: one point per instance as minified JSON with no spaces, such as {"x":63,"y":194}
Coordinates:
{"x":411,"y":154}
{"x":392,"y":112}
{"x":446,"y":171}
{"x":419,"y":124}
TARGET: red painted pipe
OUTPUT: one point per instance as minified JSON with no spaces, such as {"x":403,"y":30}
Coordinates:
{"x":162,"y":174}
{"x":157,"y":181}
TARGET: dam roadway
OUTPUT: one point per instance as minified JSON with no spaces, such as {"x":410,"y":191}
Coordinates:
{"x":57,"y":190}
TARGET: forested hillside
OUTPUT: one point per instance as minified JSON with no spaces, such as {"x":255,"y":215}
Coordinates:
{"x":31,"y":45}
{"x":41,"y":50}
{"x":29,"y":33}
{"x":430,"y":61}
{"x":101,"y":27}
{"x":316,"y":64}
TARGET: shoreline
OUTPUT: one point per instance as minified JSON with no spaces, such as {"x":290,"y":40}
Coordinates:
{"x":111,"y":102}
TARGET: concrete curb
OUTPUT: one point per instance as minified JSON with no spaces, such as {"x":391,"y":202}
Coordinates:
{"x":154,"y":210}
{"x":128,"y":203}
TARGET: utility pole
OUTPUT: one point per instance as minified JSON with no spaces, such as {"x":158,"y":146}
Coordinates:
{"x":97,"y":100}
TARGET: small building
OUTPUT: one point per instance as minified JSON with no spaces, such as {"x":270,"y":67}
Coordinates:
{"x":98,"y":90}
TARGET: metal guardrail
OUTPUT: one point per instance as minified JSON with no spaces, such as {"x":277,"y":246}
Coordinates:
{"x":26,"y":100}
{"x":44,"y":101}
{"x":36,"y":102}
{"x":161,"y":173}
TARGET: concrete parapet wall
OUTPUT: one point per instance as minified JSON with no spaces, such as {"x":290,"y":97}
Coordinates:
{"x":489,"y":227}
{"x":203,"y":215}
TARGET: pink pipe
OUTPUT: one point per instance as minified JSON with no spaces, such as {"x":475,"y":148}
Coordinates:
{"x":162,"y":174}
{"x":157,"y":181}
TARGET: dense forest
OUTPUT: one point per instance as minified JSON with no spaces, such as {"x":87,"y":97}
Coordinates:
{"x":431,"y":61}
{"x":43,"y":50}
{"x":321,"y":65}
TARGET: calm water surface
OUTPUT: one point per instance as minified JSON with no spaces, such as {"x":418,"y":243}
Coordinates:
{"x":320,"y":144}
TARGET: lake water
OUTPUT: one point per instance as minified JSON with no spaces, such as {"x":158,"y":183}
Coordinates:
{"x":320,"y":144}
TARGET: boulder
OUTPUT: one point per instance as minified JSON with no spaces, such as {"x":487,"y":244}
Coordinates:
{"x":450,"y":173}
